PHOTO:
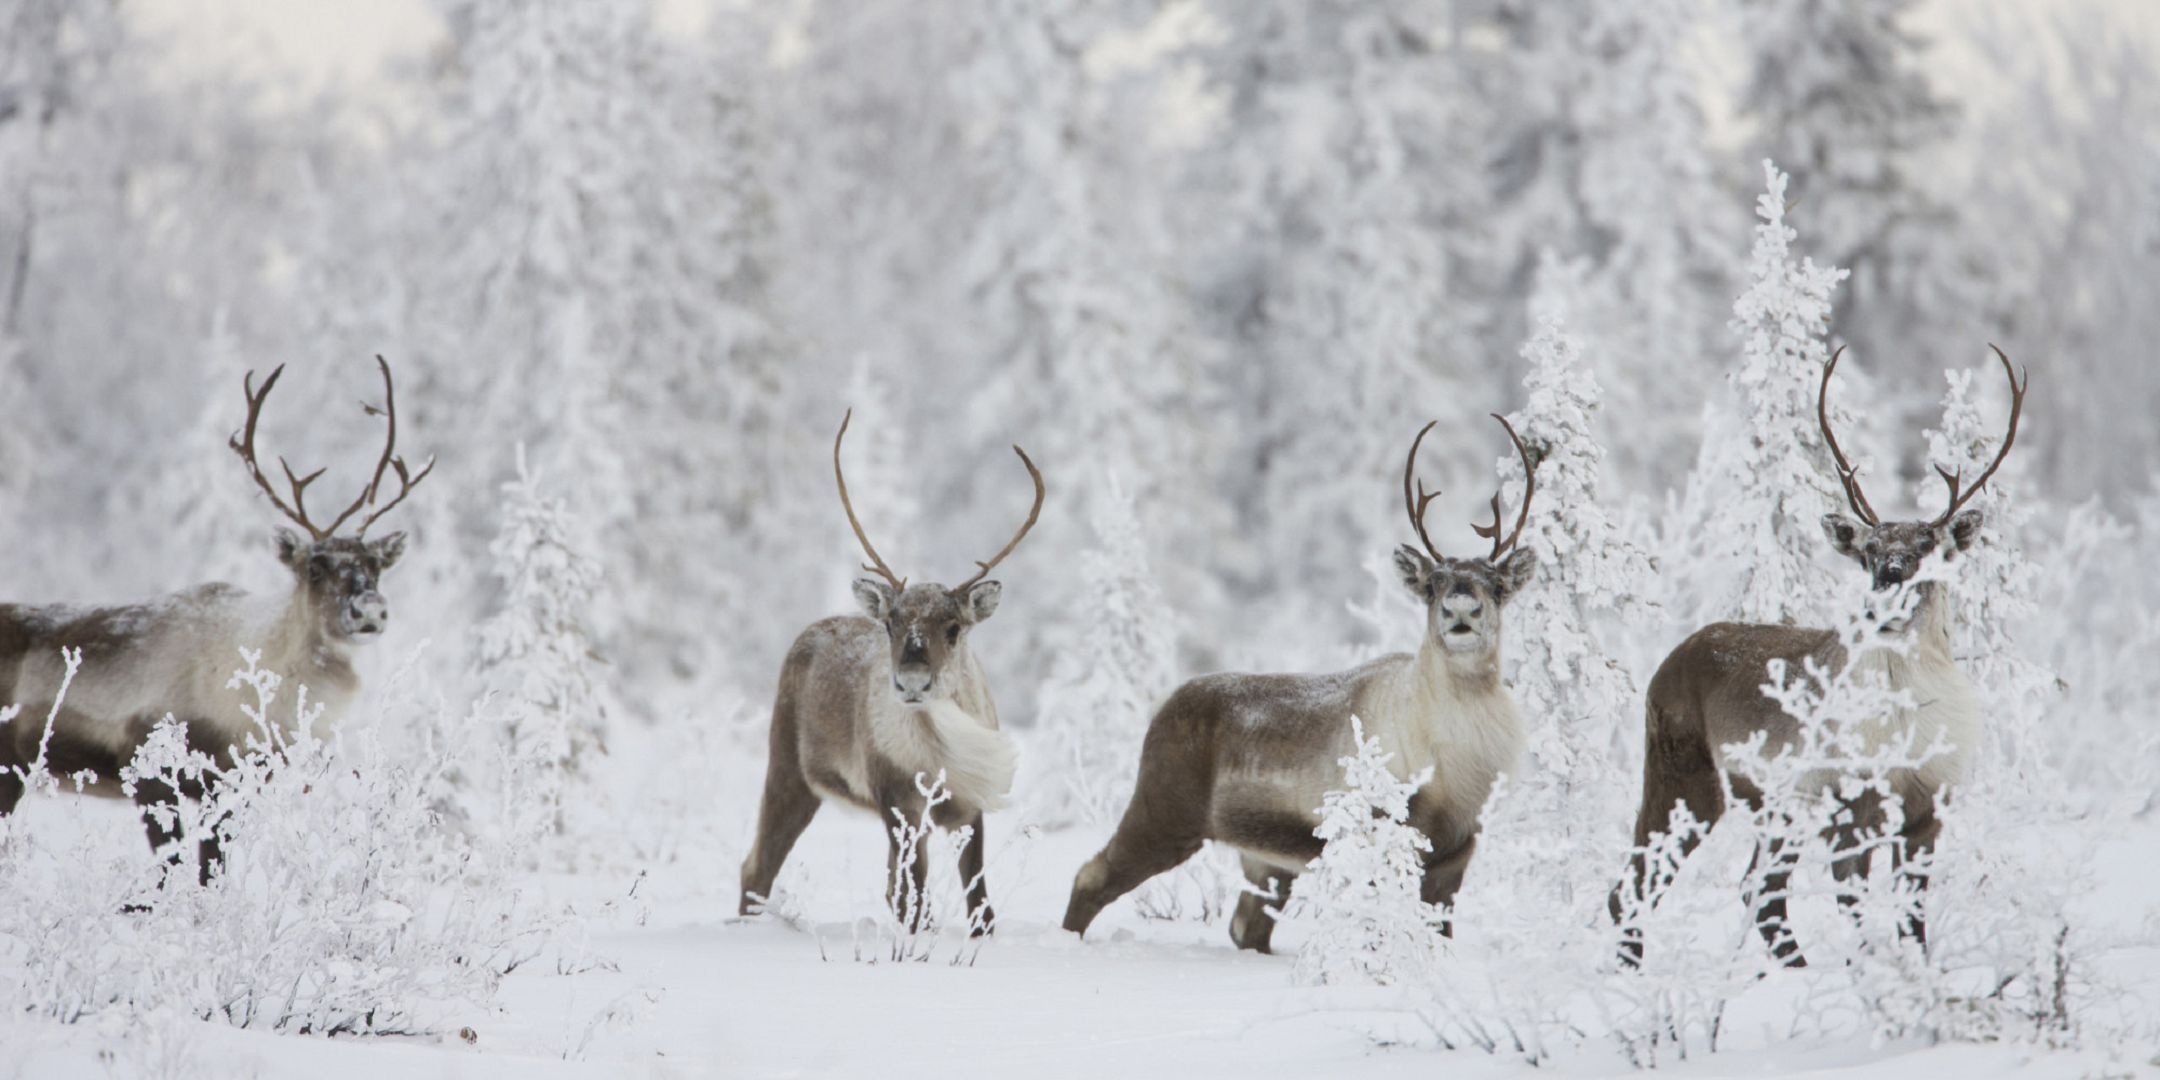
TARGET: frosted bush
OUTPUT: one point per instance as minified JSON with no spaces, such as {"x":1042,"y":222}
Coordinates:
{"x":918,"y":919}
{"x":341,"y":906}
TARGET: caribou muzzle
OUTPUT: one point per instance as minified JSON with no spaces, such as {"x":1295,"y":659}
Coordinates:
{"x":366,"y":616}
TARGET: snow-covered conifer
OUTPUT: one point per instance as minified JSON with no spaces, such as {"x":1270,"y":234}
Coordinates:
{"x":1097,"y":703}
{"x":536,"y":647}
{"x":1361,"y":897}
{"x":1593,"y":582}
{"x":1764,"y":479}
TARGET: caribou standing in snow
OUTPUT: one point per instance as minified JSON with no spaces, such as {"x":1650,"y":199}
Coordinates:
{"x":1708,"y":694}
{"x":174,"y":656}
{"x":1245,"y":760}
{"x":868,"y":703}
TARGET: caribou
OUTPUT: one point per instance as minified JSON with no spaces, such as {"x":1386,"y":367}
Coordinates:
{"x":1709,"y":693}
{"x":174,"y":656}
{"x":871,"y":707}
{"x":1245,"y":760}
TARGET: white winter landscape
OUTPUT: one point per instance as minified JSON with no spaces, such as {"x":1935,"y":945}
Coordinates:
{"x":1821,"y":504}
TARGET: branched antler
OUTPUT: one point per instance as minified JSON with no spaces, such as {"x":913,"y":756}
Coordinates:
{"x":1035,"y":511}
{"x":1416,"y":498}
{"x":876,"y":564}
{"x":1848,"y":473}
{"x":1415,"y":504}
{"x":1952,"y":480}
{"x":407,"y":480}
{"x":1849,"y":477}
{"x":1492,"y":532}
{"x":243,"y":444}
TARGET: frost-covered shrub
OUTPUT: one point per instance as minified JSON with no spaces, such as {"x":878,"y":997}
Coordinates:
{"x":1361,"y":898}
{"x":921,"y":917}
{"x":341,"y":905}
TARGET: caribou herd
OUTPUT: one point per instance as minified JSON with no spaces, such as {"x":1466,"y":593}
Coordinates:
{"x":872,"y":706}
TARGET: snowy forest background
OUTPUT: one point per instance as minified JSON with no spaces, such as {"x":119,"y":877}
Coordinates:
{"x":1212,"y":263}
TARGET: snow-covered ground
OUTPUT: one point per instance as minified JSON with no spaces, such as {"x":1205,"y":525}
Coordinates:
{"x":667,"y":982}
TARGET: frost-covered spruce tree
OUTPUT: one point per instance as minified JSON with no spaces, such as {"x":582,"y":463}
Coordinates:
{"x":1763,"y":478}
{"x":1098,"y":700}
{"x":536,"y":648}
{"x":1573,"y":689}
{"x":1361,"y":897}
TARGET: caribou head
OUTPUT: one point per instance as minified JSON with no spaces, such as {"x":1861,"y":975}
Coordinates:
{"x":339,"y":576}
{"x":1463,"y":597}
{"x":927,"y":624}
{"x":1892,"y":552}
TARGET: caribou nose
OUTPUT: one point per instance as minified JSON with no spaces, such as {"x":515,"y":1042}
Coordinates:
{"x":369,"y":611}
{"x":1462,"y":605}
{"x":911,"y":680}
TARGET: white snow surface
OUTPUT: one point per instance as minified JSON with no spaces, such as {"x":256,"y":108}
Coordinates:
{"x":675,"y":985}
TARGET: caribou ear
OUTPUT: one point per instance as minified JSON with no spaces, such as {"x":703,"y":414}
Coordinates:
{"x":1515,"y":572}
{"x":291,"y":549}
{"x":982,"y":600}
{"x":388,"y":550}
{"x":876,"y":597}
{"x":1965,"y":528}
{"x":1843,"y":533}
{"x":1416,"y":570}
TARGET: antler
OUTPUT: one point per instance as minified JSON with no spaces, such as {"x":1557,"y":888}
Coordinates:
{"x":2017,"y":406}
{"x":1848,"y":474}
{"x":1415,"y":504}
{"x":243,"y":443}
{"x":407,"y":480}
{"x":1034,"y":512}
{"x":1492,"y":532}
{"x":876,"y":564}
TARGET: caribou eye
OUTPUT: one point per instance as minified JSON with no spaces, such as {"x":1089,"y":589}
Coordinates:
{"x":952,"y":634}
